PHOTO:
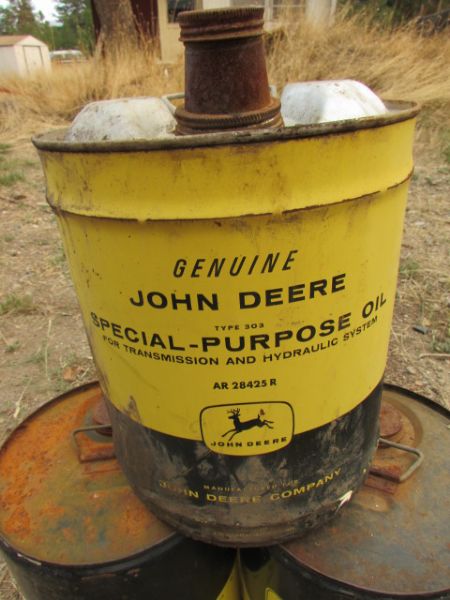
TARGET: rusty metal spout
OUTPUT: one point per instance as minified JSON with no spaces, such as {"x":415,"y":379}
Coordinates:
{"x":226,"y":83}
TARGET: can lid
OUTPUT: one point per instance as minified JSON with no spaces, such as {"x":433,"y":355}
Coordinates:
{"x":63,"y":497}
{"x":393,"y":538}
{"x":221,"y":23}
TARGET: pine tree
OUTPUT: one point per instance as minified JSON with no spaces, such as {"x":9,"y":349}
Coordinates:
{"x":19,"y":18}
{"x":7,"y":21}
{"x":76,"y":28}
{"x":26,"y":20}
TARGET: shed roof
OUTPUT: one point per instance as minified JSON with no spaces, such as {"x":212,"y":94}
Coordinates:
{"x":12,"y":40}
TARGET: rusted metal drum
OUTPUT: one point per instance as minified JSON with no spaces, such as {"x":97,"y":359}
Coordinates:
{"x":71,"y":528}
{"x":392,"y":540}
{"x":237,"y":290}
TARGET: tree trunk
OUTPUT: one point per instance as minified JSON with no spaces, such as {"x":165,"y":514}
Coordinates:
{"x":320,"y":13}
{"x":117,"y":25}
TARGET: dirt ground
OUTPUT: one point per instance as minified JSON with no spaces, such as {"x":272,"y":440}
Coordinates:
{"x":43,"y":347}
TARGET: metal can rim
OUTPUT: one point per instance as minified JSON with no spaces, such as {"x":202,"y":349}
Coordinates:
{"x":152,"y":553}
{"x":400,"y":110}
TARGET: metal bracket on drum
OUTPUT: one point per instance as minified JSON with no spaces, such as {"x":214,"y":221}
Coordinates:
{"x":400,"y":478}
{"x":90,"y":449}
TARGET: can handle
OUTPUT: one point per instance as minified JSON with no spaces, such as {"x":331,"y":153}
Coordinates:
{"x":411,"y":469}
{"x":167,"y":100}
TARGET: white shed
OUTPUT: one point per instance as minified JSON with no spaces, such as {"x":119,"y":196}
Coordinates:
{"x":22,"y":55}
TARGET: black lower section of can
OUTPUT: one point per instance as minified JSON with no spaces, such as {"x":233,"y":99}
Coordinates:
{"x":176,"y":568}
{"x":249,"y":500}
{"x":274,"y":569}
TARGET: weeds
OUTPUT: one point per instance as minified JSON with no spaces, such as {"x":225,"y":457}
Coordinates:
{"x":10,"y":170}
{"x":32,"y":164}
{"x":9,"y":179}
{"x":12,"y":347}
{"x":38,"y":358}
{"x":409,"y":268}
{"x":396,"y":64}
{"x":442,"y":343}
{"x":72,"y":369}
{"x":22,"y":305}
{"x":446,"y":146}
{"x":52,"y":99}
{"x":430,"y":181}
{"x":59,"y":259}
{"x":59,"y":385}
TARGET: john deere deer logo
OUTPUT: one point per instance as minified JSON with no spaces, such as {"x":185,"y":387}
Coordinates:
{"x":244,"y":425}
{"x":263,"y":436}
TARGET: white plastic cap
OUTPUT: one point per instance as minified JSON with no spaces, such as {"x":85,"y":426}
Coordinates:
{"x":325,"y":101}
{"x":122,"y":119}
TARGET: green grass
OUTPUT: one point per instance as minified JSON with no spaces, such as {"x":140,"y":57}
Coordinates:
{"x":59,"y":258}
{"x":441,"y":346}
{"x":37,"y":358}
{"x":13,"y":303}
{"x":446,"y":149}
{"x":441,"y":343}
{"x":12,"y":347}
{"x":12,"y":170}
{"x":409,"y":268}
{"x":10,"y":178}
{"x":71,"y":360}
{"x":59,"y":385}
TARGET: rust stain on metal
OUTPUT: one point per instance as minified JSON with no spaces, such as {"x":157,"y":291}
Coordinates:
{"x":390,"y":420}
{"x":379,"y":483}
{"x":392,"y":539}
{"x":226,"y":83}
{"x":132,"y":410}
{"x":101,"y":416}
{"x":54,"y":508}
{"x":390,"y":471}
{"x":89,"y":447}
{"x":389,"y":462}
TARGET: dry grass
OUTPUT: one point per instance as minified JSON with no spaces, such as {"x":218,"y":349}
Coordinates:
{"x":48,"y":100}
{"x":396,"y":64}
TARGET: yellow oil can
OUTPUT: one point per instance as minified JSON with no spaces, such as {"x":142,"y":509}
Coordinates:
{"x":237,"y":290}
